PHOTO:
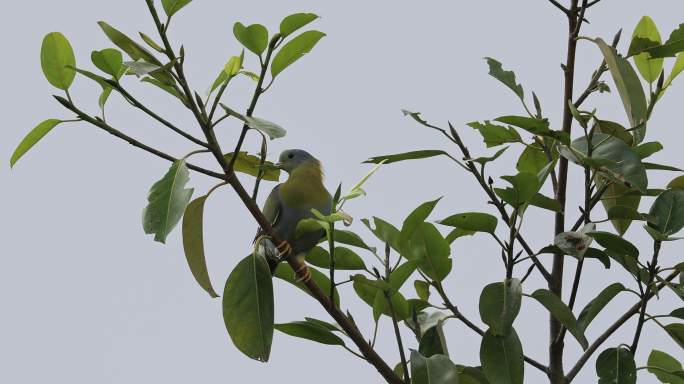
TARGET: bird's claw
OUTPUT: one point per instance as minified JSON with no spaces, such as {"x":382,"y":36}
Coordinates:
{"x":284,"y":250}
{"x":305,"y":274}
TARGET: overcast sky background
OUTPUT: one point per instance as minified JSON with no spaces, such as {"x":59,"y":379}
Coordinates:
{"x":88,"y":298}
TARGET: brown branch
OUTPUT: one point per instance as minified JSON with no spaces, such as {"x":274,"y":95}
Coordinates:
{"x":459,"y":316}
{"x":653,"y":270}
{"x":117,"y":86}
{"x":556,"y":285}
{"x":297,"y":265}
{"x":608,"y":332}
{"x":495,"y":200}
{"x":108,"y":128}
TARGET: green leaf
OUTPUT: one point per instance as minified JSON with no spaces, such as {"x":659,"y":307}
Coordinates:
{"x":273,"y":130}
{"x":433,"y":342}
{"x":295,"y":21}
{"x":414,"y":219}
{"x":166,"y":88}
{"x":615,"y":243}
{"x":253,"y":37}
{"x":629,"y":87}
{"x":649,"y":68}
{"x":668,"y":210}
{"x":500,"y":305}
{"x":665,"y":367}
{"x":506,"y":77}
{"x":167,"y":200}
{"x":645,"y":150}
{"x":612,"y":128}
{"x":673,"y":45}
{"x":132,"y":49}
{"x":494,"y":135}
{"x":151,"y":43}
{"x":33,"y":137}
{"x":541,"y":201}
{"x":351,"y":238}
{"x":617,"y":194}
{"x":173,"y":6}
{"x":661,"y":167}
{"x":502,"y":358}
{"x":345,"y":259}
{"x":530,"y":124}
{"x":428,"y":246}
{"x":234,"y":65}
{"x":294,"y":50}
{"x":622,"y":212}
{"x":437,"y":369}
{"x":597,"y":304}
{"x":422,"y":289}
{"x":384,"y":231}
{"x":249,"y":164}
{"x":593,"y":253}
{"x":676,"y":183}
{"x":399,"y":275}
{"x":57,"y":60}
{"x":616,"y":366}
{"x":286,"y":273}
{"x":676,"y":332}
{"x":524,"y":187}
{"x":486,"y":159}
{"x":248,"y":307}
{"x":109,"y":61}
{"x":389,"y":159}
{"x":472,"y":221}
{"x":372,"y":292}
{"x":193,"y":243}
{"x":310,"y":331}
{"x":677,"y":68}
{"x":324,"y":324}
{"x":679,"y":312}
{"x":532,"y":160}
{"x":456,"y":233}
{"x":625,"y":165}
{"x":562,"y":313}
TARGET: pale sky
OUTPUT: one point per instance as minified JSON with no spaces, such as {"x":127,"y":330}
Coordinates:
{"x":89,"y":298}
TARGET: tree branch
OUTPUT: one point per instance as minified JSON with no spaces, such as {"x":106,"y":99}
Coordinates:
{"x":397,"y":333}
{"x":117,"y":86}
{"x":556,"y":284}
{"x":297,"y":265}
{"x":608,"y":332}
{"x":653,"y":269}
{"x":495,"y":200}
{"x":559,"y":6}
{"x":108,"y":128}
{"x":459,"y":316}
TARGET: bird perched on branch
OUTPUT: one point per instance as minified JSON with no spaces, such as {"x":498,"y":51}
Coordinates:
{"x":290,"y":202}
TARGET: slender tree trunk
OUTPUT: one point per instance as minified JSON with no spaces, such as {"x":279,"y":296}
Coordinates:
{"x":556,"y":374}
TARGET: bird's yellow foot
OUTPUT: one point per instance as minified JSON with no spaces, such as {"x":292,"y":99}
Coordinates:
{"x":284,"y":249}
{"x":303,"y":274}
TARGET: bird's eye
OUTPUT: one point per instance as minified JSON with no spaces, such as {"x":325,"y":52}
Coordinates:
{"x":290,"y":156}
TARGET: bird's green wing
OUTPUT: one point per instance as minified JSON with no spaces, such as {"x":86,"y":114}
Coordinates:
{"x":273,"y":205}
{"x":271,"y":209}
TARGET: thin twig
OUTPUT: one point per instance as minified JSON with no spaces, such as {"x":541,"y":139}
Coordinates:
{"x":456,"y":138}
{"x":108,"y":128}
{"x":459,"y":316}
{"x":117,"y":86}
{"x":614,"y":327}
{"x":397,"y":333}
{"x":559,"y":6}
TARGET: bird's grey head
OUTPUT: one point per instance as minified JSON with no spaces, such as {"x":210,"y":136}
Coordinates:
{"x":292,"y":158}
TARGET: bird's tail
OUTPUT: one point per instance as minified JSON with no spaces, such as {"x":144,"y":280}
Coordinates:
{"x":263,"y":246}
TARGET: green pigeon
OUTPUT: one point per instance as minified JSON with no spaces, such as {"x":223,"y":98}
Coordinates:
{"x":292,"y":201}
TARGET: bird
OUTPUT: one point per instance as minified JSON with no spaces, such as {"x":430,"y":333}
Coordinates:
{"x":288,"y":204}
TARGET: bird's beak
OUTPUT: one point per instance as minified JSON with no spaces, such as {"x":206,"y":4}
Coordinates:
{"x":279,"y":165}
